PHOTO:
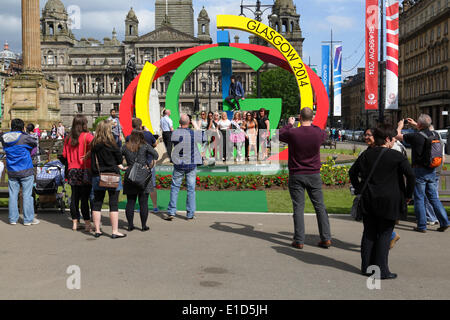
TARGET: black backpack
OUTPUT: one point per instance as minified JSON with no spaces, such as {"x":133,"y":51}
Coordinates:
{"x":432,"y":154}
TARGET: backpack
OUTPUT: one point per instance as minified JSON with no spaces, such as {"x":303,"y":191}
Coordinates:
{"x":432,"y":155}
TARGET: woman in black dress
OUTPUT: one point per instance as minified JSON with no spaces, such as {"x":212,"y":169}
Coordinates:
{"x":383,"y":199}
{"x":137,"y":150}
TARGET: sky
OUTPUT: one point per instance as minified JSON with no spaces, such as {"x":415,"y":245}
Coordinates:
{"x":317,"y":19}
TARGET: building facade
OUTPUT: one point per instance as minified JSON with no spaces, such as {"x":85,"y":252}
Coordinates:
{"x":11,"y":64}
{"x":424,"y":61}
{"x":91,"y":73}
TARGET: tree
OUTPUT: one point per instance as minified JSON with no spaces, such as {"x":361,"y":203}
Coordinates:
{"x":280,"y":83}
{"x":98,"y":120}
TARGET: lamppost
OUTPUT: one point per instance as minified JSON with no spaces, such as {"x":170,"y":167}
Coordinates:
{"x":258,"y":17}
{"x":210,"y":86}
{"x":196,"y":101}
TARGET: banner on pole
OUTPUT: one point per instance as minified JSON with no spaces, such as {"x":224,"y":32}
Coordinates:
{"x":326,"y":67}
{"x":337,"y":74}
{"x":371,"y":80}
{"x":392,"y":34}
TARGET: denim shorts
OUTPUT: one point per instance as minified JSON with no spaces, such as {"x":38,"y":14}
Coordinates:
{"x":96,"y":187}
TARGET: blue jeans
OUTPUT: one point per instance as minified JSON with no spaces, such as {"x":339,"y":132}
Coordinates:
{"x":177,"y":178}
{"x":426,"y":187}
{"x":431,"y":216}
{"x":14,"y":185}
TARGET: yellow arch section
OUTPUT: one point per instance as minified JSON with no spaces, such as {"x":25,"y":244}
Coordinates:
{"x":143,"y":94}
{"x":281,"y":44}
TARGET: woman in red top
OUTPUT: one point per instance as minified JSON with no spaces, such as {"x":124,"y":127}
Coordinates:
{"x":77,"y":152}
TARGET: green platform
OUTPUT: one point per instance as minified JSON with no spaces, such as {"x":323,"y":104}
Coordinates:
{"x":225,"y":201}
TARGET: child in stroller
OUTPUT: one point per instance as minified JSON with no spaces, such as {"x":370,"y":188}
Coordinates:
{"x":49,"y":178}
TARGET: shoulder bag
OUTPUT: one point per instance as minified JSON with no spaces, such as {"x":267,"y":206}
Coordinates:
{"x":357,"y":208}
{"x":107,"y":180}
{"x":139,"y":175}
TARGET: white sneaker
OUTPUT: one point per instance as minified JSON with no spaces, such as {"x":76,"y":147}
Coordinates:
{"x":13,"y":223}
{"x":432,"y":223}
{"x":35,"y":222}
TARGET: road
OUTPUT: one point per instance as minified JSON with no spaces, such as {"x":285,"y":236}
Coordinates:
{"x":216,"y":256}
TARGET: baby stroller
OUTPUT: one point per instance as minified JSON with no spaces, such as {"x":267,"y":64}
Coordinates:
{"x":49,"y":178}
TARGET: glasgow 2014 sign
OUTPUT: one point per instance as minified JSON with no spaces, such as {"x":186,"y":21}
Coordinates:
{"x":254,"y":56}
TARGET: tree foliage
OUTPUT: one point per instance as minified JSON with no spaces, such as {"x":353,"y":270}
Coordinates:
{"x":98,"y":120}
{"x":280,"y":83}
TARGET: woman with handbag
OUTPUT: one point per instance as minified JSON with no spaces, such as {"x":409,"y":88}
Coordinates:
{"x":138,"y":176}
{"x":106,"y":162}
{"x":383,"y":194}
{"x":76,"y":151}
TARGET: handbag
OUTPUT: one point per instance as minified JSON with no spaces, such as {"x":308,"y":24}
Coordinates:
{"x":107,"y":180}
{"x":357,"y":208}
{"x":139,"y":175}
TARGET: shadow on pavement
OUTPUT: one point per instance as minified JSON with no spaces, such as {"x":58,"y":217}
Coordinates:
{"x":283,"y":239}
{"x":317,"y":259}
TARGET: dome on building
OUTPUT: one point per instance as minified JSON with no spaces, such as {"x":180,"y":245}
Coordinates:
{"x":203,"y":14}
{"x":284,"y":4}
{"x":7,"y":54}
{"x":132,"y":15}
{"x":54,"y":5}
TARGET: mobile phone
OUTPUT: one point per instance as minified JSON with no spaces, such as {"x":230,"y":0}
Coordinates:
{"x":405,"y":122}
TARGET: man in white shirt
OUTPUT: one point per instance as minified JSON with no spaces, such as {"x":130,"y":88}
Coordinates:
{"x":167,"y":129}
{"x":60,"y":131}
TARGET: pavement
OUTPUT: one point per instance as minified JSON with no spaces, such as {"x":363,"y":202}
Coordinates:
{"x":216,"y":256}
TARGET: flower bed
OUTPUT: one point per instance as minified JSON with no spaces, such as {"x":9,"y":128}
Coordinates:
{"x":331,"y":176}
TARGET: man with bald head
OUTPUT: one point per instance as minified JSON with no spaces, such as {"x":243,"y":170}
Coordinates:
{"x":186,"y":157}
{"x":304,"y":173}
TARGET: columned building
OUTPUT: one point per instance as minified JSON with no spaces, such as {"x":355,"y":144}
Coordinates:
{"x":424,"y":61}
{"x":91,"y":72}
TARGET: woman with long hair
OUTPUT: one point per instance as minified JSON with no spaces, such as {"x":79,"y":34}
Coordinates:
{"x":211,"y":134}
{"x":383,"y":199}
{"x":106,"y":158}
{"x":237,"y":135}
{"x":251,"y":127}
{"x":53,"y":132}
{"x":77,"y":148}
{"x":136,"y":150}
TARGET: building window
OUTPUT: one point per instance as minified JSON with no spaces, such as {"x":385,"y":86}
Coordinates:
{"x":98,"y":108}
{"x":50,"y":58}
{"x":439,"y":32}
{"x":79,"y":107}
{"x":116,"y":106}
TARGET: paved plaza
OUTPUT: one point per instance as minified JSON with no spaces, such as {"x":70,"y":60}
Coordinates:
{"x":216,"y":256}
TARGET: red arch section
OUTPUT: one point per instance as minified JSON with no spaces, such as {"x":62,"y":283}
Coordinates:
{"x":266,"y":54}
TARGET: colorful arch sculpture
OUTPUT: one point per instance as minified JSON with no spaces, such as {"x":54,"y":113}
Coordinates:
{"x":266,"y":54}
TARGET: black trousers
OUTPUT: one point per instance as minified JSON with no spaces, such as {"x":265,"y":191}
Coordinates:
{"x":80,"y":193}
{"x":99,"y":197}
{"x":224,"y":140}
{"x":143,"y":206}
{"x":167,"y":138}
{"x":375,"y":243}
{"x":236,"y":98}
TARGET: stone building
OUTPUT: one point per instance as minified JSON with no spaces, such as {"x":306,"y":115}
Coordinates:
{"x":11,"y":64}
{"x":90,"y":72}
{"x":424,"y":60}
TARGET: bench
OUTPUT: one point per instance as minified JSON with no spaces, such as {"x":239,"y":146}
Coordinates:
{"x":329,"y":143}
{"x":444,"y":187}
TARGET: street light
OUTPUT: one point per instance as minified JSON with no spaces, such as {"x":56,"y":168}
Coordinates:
{"x":258,"y":17}
{"x":257,"y":12}
{"x":210,"y":86}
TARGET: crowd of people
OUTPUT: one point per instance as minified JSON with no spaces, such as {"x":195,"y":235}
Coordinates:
{"x":382,"y":176}
{"x":245,"y":137}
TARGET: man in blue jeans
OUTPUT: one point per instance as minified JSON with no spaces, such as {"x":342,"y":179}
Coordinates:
{"x":425,"y":176}
{"x":186,"y":157}
{"x":18,"y":146}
